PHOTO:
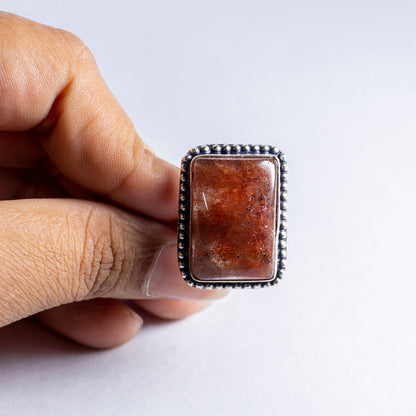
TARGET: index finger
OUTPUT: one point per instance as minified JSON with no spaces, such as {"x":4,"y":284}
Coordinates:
{"x":50,"y":83}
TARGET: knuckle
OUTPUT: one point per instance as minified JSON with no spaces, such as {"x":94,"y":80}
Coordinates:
{"x":103,"y":258}
{"x":35,"y":60}
{"x":77,"y":49}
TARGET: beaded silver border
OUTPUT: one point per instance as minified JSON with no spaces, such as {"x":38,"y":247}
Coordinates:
{"x":184,"y":213}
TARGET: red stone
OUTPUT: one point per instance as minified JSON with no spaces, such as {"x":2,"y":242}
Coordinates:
{"x":233,"y":218}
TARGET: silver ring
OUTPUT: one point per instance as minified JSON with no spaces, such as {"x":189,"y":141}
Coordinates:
{"x":232,"y":224}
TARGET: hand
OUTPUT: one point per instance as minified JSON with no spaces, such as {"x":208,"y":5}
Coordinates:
{"x":86,"y":208}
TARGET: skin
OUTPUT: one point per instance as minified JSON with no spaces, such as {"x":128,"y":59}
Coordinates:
{"x":85,"y":206}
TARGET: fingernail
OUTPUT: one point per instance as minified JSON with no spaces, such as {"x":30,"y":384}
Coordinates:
{"x":166,"y":280}
{"x":132,"y":313}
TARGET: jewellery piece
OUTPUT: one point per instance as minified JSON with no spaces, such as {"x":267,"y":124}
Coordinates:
{"x":232,"y":216}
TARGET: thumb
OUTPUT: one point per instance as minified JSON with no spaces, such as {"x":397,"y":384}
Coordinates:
{"x":57,"y":251}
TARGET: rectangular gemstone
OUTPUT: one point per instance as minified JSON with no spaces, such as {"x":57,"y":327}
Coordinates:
{"x":233,"y":217}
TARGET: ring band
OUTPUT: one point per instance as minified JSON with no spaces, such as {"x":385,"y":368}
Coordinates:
{"x":232,"y":216}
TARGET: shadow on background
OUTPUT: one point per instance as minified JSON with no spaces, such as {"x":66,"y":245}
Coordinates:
{"x":29,"y":338}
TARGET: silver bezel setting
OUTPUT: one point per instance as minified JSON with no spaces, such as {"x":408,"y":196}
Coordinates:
{"x":185,"y":212}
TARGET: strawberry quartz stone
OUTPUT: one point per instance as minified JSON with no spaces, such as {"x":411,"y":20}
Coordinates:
{"x":233,"y":217}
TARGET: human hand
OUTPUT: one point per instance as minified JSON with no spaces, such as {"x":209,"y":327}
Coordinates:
{"x":86,"y":208}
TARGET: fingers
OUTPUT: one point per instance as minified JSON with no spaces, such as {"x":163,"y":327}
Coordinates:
{"x":50,"y":84}
{"x":172,"y":308}
{"x":57,"y":251}
{"x":107,"y":323}
{"x":98,"y":323}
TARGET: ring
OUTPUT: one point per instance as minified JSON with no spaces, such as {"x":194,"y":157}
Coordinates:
{"x":232,"y":223}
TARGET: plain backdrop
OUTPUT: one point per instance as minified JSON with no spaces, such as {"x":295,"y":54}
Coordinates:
{"x":333,"y":83}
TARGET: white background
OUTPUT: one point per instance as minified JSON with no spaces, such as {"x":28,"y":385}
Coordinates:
{"x":333,"y":83}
